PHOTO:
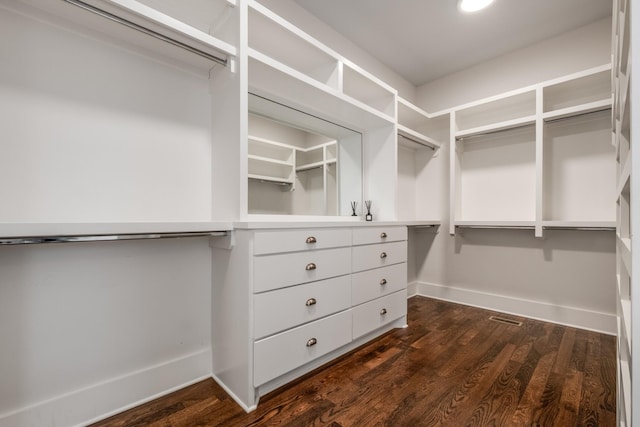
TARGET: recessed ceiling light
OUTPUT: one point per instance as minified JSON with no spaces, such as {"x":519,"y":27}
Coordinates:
{"x":473,"y":5}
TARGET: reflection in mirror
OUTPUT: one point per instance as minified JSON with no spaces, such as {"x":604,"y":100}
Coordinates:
{"x":300,"y":164}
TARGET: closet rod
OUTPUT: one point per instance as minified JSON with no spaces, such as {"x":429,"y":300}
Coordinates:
{"x":147,"y":31}
{"x":415,"y":141}
{"x":489,"y":227}
{"x":105,"y":237}
{"x":559,"y":119}
{"x":491,"y":132}
{"x":580,"y":228}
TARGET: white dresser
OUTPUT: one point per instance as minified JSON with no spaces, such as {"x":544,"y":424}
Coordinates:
{"x":287,"y":300}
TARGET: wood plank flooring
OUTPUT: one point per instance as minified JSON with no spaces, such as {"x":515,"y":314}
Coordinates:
{"x":451,"y":367}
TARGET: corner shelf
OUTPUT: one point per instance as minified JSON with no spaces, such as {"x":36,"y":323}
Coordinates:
{"x":415,"y":125}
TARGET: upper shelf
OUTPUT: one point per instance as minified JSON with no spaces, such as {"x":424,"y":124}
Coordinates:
{"x":416,"y":125}
{"x":138,"y":25}
{"x":288,"y":65}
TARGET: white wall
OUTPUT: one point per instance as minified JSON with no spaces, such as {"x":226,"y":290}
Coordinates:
{"x":89,"y":328}
{"x":577,"y":50}
{"x":566,"y":277}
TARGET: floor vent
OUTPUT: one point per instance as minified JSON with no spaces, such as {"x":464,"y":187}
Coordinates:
{"x":507,"y":321}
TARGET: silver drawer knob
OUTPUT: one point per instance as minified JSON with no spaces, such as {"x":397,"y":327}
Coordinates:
{"x":312,"y":342}
{"x":311,"y":240}
{"x":383,"y":312}
{"x":383,"y":282}
{"x":310,"y":302}
{"x":383,"y":235}
{"x":383,"y":255}
{"x":310,"y":266}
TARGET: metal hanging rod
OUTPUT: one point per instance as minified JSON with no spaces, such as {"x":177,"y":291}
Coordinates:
{"x":580,"y":228}
{"x":573,"y":116}
{"x":106,"y":237}
{"x":491,"y":132}
{"x":415,"y":141}
{"x":146,"y":31}
{"x":489,"y":227}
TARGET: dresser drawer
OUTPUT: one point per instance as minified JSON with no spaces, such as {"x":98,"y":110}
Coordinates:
{"x":372,"y":284}
{"x":369,"y":235}
{"x":282,"y":270}
{"x":277,"y":241}
{"x":288,"y":350}
{"x":282,"y":309}
{"x":379,"y":312}
{"x":374,"y":256}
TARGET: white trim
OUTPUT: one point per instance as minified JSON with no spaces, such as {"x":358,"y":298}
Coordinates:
{"x":112,"y":396}
{"x":569,"y":316}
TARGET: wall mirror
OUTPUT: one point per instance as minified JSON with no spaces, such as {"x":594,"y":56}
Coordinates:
{"x":300,"y":164}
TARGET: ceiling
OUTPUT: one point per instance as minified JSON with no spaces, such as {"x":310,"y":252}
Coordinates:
{"x":423,"y":40}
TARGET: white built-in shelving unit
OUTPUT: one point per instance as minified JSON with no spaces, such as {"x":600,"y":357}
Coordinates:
{"x":292,"y":66}
{"x":627,"y":221}
{"x":420,"y":137}
{"x":271,"y":161}
{"x":99,"y":165}
{"x":539,"y":157}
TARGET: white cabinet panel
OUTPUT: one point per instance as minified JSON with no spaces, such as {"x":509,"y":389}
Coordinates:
{"x":284,"y":352}
{"x":379,"y":312}
{"x":278,"y":310}
{"x":371,"y":284}
{"x":279,"y":271}
{"x":374,"y":256}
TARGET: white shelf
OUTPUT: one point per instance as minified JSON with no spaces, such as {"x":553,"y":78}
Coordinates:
{"x":270,"y":161}
{"x":577,"y":110}
{"x":363,"y":87}
{"x":273,"y":36}
{"x":279,"y":82}
{"x":497,"y":127}
{"x":143,"y":24}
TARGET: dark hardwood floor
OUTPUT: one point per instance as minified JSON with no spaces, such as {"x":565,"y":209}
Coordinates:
{"x":452,"y":366}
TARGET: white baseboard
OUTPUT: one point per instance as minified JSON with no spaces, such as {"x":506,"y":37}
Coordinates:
{"x":570,"y":316}
{"x":99,"y":401}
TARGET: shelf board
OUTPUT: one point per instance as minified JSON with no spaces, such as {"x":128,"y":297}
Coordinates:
{"x":417,"y":138}
{"x":624,"y":250}
{"x":496,"y":127}
{"x":140,"y":25}
{"x":625,"y":176}
{"x":274,"y":80}
{"x":578,"y":110}
{"x":270,"y":160}
{"x":625,"y":308}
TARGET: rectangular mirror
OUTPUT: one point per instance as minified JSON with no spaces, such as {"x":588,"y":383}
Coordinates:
{"x":300,"y":164}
